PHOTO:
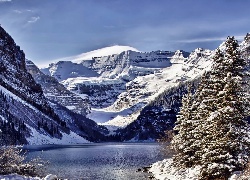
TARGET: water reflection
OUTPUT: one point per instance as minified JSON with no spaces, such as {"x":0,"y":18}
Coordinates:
{"x":98,"y":161}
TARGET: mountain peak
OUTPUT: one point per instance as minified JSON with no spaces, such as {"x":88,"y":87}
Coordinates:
{"x":106,"y":51}
{"x":116,"y":49}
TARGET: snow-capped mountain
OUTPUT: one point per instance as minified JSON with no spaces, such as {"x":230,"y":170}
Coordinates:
{"x":104,"y":78}
{"x":121,"y":86}
{"x":26,"y":115}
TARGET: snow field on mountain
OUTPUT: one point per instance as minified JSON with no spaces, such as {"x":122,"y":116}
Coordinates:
{"x":37,"y":138}
{"x":103,"y":52}
{"x":101,"y":116}
{"x":73,"y":82}
{"x":121,"y":120}
{"x":112,"y":119}
{"x":153,"y":84}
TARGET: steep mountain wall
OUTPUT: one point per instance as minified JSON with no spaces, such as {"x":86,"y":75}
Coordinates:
{"x":26,"y":115}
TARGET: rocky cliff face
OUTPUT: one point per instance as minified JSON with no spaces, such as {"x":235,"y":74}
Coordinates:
{"x":56,"y":92}
{"x":20,"y":93}
{"x":14,"y":75}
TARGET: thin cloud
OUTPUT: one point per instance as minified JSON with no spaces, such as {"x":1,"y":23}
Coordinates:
{"x":29,"y":10}
{"x":208,"y":39}
{"x":5,"y":1}
{"x":17,"y":11}
{"x":22,"y":11}
{"x":201,"y":40}
{"x":34,"y":19}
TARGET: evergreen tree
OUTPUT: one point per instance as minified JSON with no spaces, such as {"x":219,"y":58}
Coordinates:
{"x":226,"y":147}
{"x":183,"y":142}
{"x":217,"y":135}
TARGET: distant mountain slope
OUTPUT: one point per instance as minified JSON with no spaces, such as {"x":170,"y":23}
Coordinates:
{"x":157,"y":116}
{"x":22,"y":98}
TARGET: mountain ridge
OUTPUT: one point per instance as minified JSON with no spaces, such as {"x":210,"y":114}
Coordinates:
{"x":105,"y":51}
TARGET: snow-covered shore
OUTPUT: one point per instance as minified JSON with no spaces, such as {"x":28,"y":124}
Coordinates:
{"x":164,"y":170}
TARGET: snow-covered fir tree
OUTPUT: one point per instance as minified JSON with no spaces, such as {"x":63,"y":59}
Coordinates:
{"x":183,"y":142}
{"x":217,"y":133}
{"x":226,"y":146}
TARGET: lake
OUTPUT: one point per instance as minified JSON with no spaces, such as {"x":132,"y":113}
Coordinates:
{"x":105,"y":161}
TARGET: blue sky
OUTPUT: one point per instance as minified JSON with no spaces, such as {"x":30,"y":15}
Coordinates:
{"x":51,"y":29}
